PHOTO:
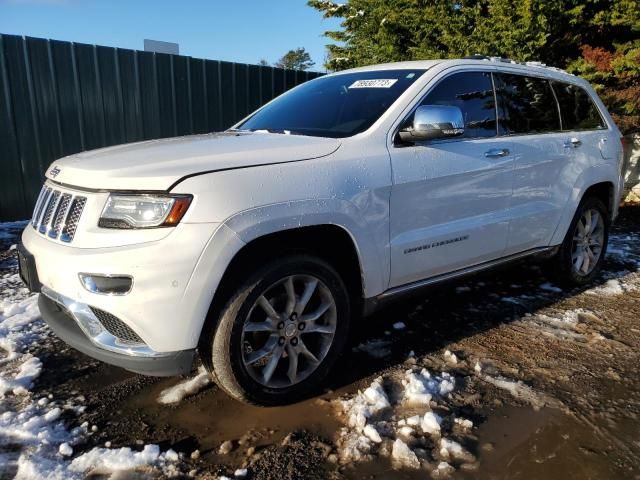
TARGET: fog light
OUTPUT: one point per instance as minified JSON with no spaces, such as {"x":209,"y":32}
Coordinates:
{"x":106,"y":284}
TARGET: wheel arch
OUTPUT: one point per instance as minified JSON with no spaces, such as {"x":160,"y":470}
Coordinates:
{"x":597,"y":181}
{"x":330,"y":242}
{"x":604,"y":191}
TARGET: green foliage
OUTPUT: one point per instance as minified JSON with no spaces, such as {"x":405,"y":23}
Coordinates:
{"x":298,"y":59}
{"x":552,"y":31}
{"x":615,"y":75}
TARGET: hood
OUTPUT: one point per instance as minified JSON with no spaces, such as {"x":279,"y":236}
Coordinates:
{"x":158,"y":164}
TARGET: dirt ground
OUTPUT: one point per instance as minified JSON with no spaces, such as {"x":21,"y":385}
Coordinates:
{"x":549,"y":378}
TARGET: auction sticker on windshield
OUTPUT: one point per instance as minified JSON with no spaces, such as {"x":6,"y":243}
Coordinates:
{"x":374,"y":83}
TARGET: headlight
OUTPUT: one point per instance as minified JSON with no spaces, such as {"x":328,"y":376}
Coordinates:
{"x":143,"y":211}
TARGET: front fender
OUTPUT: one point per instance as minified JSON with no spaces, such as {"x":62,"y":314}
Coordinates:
{"x":260,"y":221}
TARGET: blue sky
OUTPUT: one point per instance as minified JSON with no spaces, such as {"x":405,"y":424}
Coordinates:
{"x":240,"y":31}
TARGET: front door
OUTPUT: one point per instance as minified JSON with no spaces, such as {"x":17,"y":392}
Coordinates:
{"x":450,"y":199}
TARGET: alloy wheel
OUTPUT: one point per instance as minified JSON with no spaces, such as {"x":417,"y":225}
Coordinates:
{"x":588,"y":240}
{"x":289,"y":330}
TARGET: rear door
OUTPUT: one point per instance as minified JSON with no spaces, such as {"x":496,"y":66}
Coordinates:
{"x":542,"y":179}
{"x":450,"y":198}
{"x":587,"y":133}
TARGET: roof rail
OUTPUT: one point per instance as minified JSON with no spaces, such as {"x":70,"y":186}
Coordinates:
{"x":478,"y":56}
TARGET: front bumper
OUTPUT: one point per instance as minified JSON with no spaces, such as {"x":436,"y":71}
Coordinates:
{"x":164,"y":306}
{"x":63,"y":323}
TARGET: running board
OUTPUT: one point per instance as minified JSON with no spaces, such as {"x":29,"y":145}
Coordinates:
{"x":375,"y":303}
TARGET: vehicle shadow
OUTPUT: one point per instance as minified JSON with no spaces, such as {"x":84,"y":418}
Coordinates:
{"x":445,"y":314}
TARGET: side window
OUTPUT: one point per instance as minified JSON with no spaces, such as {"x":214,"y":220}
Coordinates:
{"x":577,"y":110}
{"x":527,"y":105}
{"x":472,"y":92}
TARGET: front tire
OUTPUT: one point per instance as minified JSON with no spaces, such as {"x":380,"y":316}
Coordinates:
{"x":582,"y":252}
{"x":280,"y":333}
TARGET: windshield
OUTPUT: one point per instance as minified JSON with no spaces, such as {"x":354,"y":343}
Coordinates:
{"x":334,"y":106}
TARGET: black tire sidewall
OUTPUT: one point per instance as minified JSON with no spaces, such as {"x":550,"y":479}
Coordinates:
{"x":228,"y":334}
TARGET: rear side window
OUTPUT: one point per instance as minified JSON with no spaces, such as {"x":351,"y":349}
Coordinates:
{"x":527,"y":105}
{"x":577,"y":110}
{"x":472,"y":92}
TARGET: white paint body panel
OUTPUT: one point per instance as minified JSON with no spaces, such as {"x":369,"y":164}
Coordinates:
{"x":157,"y":164}
{"x":387,"y":199}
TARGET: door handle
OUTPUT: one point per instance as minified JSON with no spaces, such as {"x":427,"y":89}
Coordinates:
{"x":572,"y":143}
{"x":496,"y":153}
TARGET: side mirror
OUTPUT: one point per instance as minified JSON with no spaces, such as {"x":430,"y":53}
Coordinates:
{"x":432,"y":122}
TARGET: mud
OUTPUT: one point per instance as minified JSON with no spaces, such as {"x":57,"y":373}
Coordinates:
{"x":576,"y":415}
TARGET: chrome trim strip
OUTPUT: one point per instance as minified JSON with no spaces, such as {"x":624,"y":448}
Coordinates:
{"x":94,"y":330}
{"x":57,"y":213}
{"x":459,"y":273}
{"x":36,"y":209}
{"x":45,"y":223}
{"x":43,"y":207}
{"x":95,"y":289}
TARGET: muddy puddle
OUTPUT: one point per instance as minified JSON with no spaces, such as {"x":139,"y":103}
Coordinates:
{"x":520,"y":443}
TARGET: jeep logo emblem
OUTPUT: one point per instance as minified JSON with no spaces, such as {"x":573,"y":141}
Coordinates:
{"x":54,"y":172}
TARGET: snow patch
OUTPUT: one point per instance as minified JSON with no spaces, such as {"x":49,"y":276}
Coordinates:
{"x":65,"y":449}
{"x":376,"y":426}
{"x":372,"y":434}
{"x":403,"y":456}
{"x":366,"y":404}
{"x":613,"y":287}
{"x":450,"y":357}
{"x":431,"y":423}
{"x":39,"y":427}
{"x":420,"y":388}
{"x":186,"y":388}
{"x":549,"y":287}
{"x":443,"y":470}
{"x":452,"y":450}
{"x":521,"y":391}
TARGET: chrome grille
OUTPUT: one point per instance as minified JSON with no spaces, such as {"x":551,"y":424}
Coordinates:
{"x":71,"y":225}
{"x":57,"y":213}
{"x":61,"y":213}
{"x":116,"y":327}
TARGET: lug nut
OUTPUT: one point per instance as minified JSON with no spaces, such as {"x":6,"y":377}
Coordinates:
{"x":280,"y":325}
{"x":301,"y":325}
{"x":281,"y":341}
{"x":293,"y":317}
{"x":294,"y":341}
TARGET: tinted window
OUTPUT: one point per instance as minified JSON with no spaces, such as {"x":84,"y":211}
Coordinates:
{"x":577,"y":110}
{"x":527,"y":105}
{"x":472,"y":92}
{"x":335,"y":105}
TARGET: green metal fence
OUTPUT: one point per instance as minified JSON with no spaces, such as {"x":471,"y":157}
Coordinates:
{"x":59,"y":98}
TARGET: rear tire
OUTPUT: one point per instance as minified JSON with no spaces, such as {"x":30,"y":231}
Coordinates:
{"x":583,"y":250}
{"x":280,"y":333}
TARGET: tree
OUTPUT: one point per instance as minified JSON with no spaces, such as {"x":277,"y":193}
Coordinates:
{"x":263,"y":62}
{"x":555,"y":32}
{"x":552,"y":31}
{"x":298,"y":59}
{"x":615,"y":75}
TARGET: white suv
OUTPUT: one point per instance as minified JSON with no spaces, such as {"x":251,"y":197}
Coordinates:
{"x":257,"y":246}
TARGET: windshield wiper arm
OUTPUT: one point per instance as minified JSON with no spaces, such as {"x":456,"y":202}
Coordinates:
{"x":282,"y":131}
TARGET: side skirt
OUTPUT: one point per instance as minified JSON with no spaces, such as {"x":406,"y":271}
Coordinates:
{"x":371,"y":305}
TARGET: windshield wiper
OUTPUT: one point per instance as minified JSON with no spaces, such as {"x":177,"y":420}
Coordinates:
{"x":282,"y":131}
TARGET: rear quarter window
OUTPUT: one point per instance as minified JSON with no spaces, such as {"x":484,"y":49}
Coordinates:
{"x":527,"y":105}
{"x":577,"y":109}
